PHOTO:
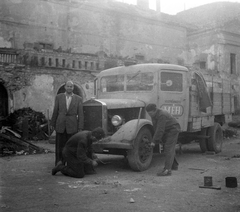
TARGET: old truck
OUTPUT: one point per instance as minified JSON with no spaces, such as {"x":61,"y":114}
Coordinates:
{"x":200,"y":104}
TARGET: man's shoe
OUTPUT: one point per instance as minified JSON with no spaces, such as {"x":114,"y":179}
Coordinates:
{"x":57,"y":168}
{"x":90,"y":172}
{"x":165,"y":172}
{"x":175,"y":168}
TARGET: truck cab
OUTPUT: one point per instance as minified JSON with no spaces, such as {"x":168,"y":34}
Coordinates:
{"x":122,"y":94}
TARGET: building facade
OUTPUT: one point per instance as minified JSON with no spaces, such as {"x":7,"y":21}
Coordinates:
{"x":43,"y":43}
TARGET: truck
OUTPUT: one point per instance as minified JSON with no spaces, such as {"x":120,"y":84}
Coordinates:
{"x":201,"y":104}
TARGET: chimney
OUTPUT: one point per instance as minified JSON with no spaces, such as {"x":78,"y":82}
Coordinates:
{"x":158,"y":6}
{"x":144,"y":4}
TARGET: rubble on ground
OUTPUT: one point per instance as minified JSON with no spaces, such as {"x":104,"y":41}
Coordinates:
{"x":19,"y":129}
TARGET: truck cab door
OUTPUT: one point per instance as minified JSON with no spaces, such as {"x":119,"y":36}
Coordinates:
{"x":173,"y":95}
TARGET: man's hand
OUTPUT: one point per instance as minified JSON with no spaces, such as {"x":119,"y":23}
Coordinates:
{"x":152,"y":144}
{"x":94,"y":163}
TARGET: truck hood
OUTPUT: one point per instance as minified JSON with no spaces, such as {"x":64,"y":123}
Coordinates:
{"x":121,"y":103}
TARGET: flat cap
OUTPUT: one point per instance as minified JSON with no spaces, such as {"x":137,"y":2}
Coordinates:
{"x":151,"y":107}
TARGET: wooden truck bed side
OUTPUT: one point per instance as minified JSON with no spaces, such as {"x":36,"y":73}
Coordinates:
{"x":221,"y":96}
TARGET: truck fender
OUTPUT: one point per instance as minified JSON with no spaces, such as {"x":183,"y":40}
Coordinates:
{"x":128,"y":131}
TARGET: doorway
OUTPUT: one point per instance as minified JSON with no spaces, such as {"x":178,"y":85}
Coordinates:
{"x":3,"y":101}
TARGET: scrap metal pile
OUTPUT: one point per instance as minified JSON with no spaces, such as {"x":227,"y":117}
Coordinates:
{"x":19,"y":128}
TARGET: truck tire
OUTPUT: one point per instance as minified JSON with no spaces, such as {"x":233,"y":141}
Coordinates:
{"x":203,"y":142}
{"x":216,"y":138}
{"x":140,"y":157}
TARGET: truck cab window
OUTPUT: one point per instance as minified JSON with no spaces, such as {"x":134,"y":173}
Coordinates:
{"x":171,"y":82}
{"x":140,"y":81}
{"x":112,"y":83}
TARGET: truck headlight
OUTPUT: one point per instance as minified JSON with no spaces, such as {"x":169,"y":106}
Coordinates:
{"x":116,"y":120}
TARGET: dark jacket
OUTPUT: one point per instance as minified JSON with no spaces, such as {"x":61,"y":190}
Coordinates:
{"x":162,"y":122}
{"x":71,"y":119}
{"x":80,"y":145}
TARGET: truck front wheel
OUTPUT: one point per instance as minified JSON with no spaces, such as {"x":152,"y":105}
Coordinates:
{"x":140,"y":157}
{"x":216,"y":138}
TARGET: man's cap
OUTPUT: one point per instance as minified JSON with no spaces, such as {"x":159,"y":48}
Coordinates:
{"x":151,"y":107}
{"x":98,"y":133}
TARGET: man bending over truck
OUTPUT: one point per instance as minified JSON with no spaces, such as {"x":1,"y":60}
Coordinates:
{"x":166,"y":130}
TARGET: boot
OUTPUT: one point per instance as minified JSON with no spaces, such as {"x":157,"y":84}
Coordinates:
{"x":57,"y":168}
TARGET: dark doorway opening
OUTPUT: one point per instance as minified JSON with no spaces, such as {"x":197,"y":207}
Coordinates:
{"x":76,"y":90}
{"x":3,"y":101}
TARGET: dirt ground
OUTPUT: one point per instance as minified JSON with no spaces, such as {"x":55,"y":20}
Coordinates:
{"x":26,"y":184}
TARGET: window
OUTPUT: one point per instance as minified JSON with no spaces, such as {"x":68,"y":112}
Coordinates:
{"x":112,"y":83}
{"x":139,"y":57}
{"x":140,"y":81}
{"x":232,"y":63}
{"x":57,"y":63}
{"x":50,"y":61}
{"x":63,"y":63}
{"x":171,"y":82}
{"x":43,"y":61}
{"x":73,"y":64}
{"x":79,"y":64}
{"x":202,"y":65}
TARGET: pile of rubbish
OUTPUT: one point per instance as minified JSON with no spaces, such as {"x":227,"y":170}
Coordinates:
{"x":30,"y":124}
{"x":21,"y":126}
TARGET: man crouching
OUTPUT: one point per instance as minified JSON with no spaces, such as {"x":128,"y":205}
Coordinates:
{"x":78,"y":154}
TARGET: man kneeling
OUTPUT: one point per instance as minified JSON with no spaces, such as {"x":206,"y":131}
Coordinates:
{"x":78,"y":154}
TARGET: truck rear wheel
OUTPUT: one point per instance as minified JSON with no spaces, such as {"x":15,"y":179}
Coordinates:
{"x":203,"y":142}
{"x":216,"y":138}
{"x":140,"y":157}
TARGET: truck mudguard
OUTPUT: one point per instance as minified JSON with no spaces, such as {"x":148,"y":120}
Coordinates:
{"x":128,"y":132}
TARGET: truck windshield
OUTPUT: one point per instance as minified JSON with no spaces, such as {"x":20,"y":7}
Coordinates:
{"x":112,"y":83}
{"x":171,"y":82}
{"x":140,"y":81}
{"x":134,"y":82}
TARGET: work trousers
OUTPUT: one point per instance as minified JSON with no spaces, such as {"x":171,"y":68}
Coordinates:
{"x":170,"y":139}
{"x":74,"y":167}
{"x":61,"y":140}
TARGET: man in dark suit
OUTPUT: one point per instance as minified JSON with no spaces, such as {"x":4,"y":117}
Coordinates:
{"x":78,"y":154}
{"x":67,"y":118}
{"x":166,"y":130}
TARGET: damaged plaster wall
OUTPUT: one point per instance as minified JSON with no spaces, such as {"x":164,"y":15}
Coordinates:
{"x":37,"y":88}
{"x":115,"y":28}
{"x":38,"y":96}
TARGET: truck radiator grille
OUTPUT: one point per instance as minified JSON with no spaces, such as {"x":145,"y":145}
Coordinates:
{"x":92,"y":117}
